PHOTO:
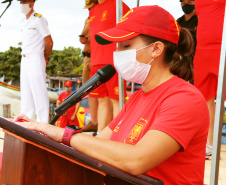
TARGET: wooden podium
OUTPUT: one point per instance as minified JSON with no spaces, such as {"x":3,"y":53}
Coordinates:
{"x":29,"y":158}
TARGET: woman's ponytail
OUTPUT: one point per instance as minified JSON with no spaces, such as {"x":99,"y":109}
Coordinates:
{"x":182,"y":57}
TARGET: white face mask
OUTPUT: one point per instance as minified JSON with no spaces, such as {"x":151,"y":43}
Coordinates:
{"x":25,"y":9}
{"x":129,"y":68}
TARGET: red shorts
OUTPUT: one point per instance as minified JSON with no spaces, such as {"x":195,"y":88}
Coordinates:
{"x":206,"y":69}
{"x":64,"y":121}
{"x":110,"y":88}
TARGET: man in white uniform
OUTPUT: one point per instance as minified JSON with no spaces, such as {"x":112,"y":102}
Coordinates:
{"x":36,"y":47}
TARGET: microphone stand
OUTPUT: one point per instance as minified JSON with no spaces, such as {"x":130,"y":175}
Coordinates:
{"x":6,"y":1}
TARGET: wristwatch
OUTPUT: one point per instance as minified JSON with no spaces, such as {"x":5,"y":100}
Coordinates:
{"x":68,"y":132}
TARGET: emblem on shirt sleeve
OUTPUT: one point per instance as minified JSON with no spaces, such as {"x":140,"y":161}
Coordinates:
{"x":91,"y":18}
{"x":137,"y":132}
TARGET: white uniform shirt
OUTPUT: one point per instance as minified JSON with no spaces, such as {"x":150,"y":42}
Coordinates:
{"x":34,"y":30}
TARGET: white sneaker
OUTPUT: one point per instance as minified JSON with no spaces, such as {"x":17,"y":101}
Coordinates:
{"x":208,"y":151}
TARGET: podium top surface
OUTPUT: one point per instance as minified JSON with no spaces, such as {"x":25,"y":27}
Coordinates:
{"x":73,"y":155}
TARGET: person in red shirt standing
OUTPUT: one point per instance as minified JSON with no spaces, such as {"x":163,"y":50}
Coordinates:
{"x":85,"y":39}
{"x":102,"y":17}
{"x":207,"y":57}
{"x":70,"y":116}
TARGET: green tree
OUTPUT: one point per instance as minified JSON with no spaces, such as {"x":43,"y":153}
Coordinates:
{"x":69,"y":61}
{"x":10,"y":63}
{"x":64,"y":62}
{"x":78,"y":70}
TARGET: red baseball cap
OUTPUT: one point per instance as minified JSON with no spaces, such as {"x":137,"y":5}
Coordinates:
{"x":148,"y":20}
{"x":68,"y":84}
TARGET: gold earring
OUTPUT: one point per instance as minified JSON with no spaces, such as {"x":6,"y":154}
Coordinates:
{"x":153,"y":55}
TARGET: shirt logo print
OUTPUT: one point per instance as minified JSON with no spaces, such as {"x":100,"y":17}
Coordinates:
{"x":104,"y":16}
{"x":137,"y":132}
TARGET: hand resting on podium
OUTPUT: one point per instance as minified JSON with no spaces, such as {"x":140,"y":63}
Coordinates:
{"x":48,"y":130}
{"x":134,"y":159}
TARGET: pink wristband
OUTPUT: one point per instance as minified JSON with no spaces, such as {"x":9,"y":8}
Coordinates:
{"x":68,"y":133}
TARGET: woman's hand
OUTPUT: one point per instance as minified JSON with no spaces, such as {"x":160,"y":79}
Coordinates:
{"x":53,"y":132}
{"x":22,"y":117}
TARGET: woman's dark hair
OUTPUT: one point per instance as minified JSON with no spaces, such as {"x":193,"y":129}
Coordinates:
{"x":179,"y":57}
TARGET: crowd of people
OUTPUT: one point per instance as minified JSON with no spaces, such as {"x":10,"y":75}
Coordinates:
{"x":166,"y":123}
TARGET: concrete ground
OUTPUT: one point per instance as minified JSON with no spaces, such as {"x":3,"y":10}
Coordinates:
{"x":222,"y":171}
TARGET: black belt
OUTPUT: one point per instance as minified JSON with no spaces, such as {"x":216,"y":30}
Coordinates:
{"x":86,"y":54}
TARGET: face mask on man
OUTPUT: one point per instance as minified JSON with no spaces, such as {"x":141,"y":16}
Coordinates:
{"x":68,"y":89}
{"x":129,"y":68}
{"x":188,"y":8}
{"x":25,"y":9}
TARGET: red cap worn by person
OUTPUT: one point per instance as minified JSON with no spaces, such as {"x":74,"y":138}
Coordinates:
{"x":68,"y":84}
{"x":148,"y":20}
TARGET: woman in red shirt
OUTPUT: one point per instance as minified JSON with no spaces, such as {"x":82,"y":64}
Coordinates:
{"x":162,"y":129}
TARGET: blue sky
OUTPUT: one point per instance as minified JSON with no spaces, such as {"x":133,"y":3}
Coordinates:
{"x":65,"y":18}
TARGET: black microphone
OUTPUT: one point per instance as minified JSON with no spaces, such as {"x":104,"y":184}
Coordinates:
{"x":101,"y":76}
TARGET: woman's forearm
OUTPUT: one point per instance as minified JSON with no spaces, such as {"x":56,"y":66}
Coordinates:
{"x":114,"y":153}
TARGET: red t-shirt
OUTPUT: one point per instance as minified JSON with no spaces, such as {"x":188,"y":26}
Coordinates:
{"x":210,"y":23}
{"x":178,"y":109}
{"x":103,"y":17}
{"x":62,"y":97}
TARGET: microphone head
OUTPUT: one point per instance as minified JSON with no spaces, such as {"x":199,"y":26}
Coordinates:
{"x":106,"y":73}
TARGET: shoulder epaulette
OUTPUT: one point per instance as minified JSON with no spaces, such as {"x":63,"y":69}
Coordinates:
{"x":38,"y":15}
